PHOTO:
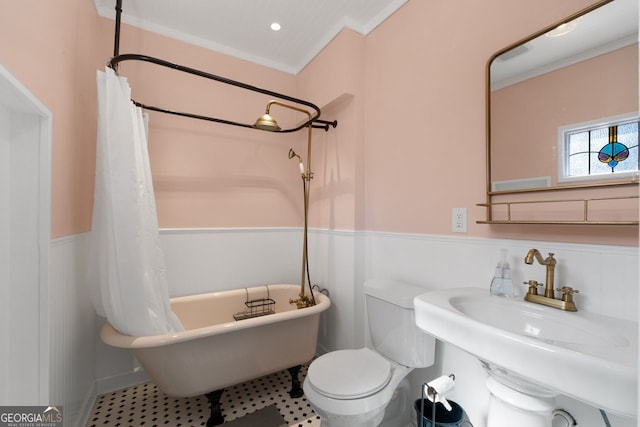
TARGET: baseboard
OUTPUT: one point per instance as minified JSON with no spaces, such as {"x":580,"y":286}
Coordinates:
{"x":108,"y":385}
{"x":86,"y":407}
{"x":120,"y":381}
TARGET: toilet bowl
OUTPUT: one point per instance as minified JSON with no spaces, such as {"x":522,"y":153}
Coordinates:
{"x":348,"y":388}
{"x":352,"y":387}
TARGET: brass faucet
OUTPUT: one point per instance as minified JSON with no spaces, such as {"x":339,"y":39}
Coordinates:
{"x":548,"y":299}
{"x":550,"y":263}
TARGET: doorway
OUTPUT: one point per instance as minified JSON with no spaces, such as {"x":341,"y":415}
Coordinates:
{"x":25,"y":212}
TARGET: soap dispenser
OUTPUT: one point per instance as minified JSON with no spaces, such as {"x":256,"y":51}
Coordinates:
{"x":507,"y":284}
{"x":496,"y":282}
{"x":502,"y":285}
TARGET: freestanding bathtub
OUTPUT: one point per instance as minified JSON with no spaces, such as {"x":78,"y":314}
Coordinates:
{"x":216,"y":351}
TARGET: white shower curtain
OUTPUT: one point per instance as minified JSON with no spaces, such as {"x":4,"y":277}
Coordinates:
{"x":126,"y":268}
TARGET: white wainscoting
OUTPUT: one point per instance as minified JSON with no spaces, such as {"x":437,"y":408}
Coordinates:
{"x":25,"y":216}
{"x":209,"y":260}
{"x":607,"y":277}
{"x":200,"y":261}
{"x":72,"y":331}
{"x":341,"y":261}
{"x":601,"y":273}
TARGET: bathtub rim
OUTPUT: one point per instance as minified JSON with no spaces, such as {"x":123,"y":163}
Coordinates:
{"x":112,"y":337}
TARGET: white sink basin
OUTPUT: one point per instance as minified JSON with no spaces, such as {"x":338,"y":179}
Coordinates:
{"x":588,"y":357}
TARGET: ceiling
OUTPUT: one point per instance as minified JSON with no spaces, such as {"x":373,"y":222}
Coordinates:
{"x":241,"y":28}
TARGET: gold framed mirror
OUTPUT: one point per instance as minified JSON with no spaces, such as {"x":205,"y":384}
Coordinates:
{"x":577,"y":75}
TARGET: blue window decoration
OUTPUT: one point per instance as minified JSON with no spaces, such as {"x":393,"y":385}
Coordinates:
{"x":614,"y":152}
{"x":611,"y":149}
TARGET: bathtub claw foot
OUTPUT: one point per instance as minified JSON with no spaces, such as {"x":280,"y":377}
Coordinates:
{"x":216,"y":417}
{"x":296,"y":390}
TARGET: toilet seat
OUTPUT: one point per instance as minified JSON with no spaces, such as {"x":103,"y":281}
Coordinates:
{"x":349,"y":374}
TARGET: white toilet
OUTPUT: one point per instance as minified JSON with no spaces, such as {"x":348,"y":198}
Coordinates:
{"x":348,"y":388}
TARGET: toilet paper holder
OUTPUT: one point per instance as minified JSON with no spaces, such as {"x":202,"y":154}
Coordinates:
{"x":435,"y":391}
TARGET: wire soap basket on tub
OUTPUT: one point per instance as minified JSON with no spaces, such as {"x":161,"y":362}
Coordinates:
{"x":256,"y":307}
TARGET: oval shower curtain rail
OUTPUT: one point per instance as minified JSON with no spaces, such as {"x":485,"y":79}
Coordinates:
{"x":315,"y":121}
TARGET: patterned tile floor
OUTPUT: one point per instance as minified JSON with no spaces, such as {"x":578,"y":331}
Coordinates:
{"x":145,"y":405}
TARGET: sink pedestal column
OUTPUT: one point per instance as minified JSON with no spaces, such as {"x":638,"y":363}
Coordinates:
{"x":509,"y":407}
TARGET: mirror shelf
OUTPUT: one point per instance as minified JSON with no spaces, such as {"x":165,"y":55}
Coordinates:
{"x":494,"y":222}
{"x":585,"y":206}
{"x":608,"y":204}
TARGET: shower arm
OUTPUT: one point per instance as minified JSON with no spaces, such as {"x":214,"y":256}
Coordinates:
{"x":308,"y":175}
{"x":314,"y":120}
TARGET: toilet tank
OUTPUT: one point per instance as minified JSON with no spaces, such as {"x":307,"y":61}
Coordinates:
{"x":392,"y":325}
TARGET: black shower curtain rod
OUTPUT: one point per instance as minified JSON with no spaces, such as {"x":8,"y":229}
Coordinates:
{"x":117,"y":58}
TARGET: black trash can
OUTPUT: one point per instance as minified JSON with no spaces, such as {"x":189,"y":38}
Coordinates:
{"x":444,"y":418}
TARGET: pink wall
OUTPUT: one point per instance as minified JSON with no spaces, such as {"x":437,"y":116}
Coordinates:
{"x":334,"y":81}
{"x":208,"y":174}
{"x":409,"y":98}
{"x":54,"y":48}
{"x":425,"y":122}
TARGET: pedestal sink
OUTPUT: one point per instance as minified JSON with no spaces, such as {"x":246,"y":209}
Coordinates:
{"x":538,"y":351}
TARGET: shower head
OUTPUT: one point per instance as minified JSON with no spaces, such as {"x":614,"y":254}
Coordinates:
{"x":266,"y":122}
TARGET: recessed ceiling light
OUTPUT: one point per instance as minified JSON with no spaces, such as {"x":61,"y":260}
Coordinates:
{"x":275,"y":26}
